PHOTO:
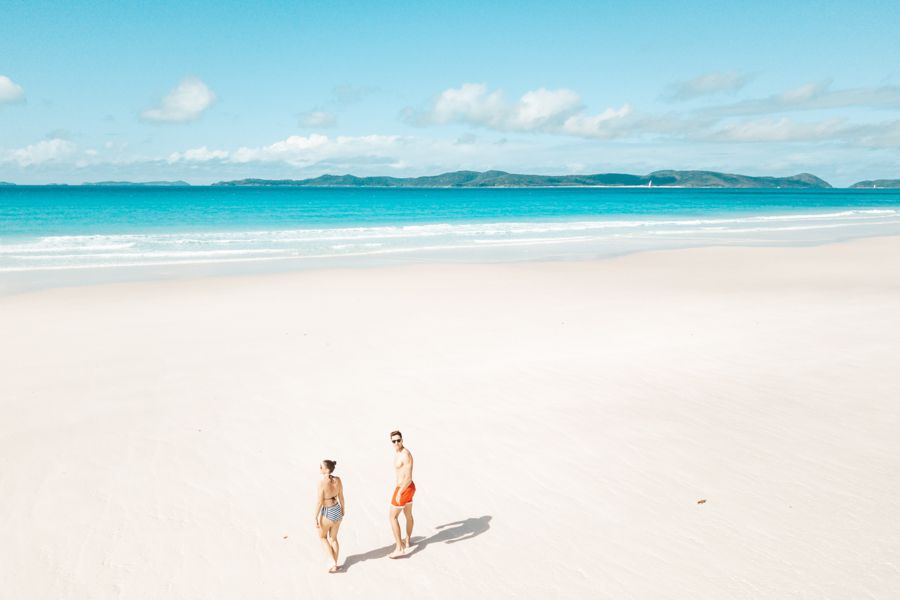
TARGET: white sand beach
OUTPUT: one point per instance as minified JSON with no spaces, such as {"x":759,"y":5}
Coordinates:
{"x":161,"y":440}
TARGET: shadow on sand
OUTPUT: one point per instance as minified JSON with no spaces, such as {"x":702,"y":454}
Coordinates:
{"x":448,"y":533}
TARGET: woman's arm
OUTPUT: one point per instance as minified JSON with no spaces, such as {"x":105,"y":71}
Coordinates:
{"x":319,"y":502}
{"x":341,"y":497}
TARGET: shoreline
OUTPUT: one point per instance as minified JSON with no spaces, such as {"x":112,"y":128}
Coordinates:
{"x":15,"y":283}
{"x":250,"y":267}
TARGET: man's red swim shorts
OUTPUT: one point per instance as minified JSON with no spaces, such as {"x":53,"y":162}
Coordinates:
{"x":405,"y":498}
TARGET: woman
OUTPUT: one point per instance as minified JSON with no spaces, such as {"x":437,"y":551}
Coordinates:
{"x":330,"y":511}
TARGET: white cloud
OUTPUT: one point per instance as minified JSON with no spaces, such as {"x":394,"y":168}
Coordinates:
{"x":470,"y":103}
{"x":561,"y":112}
{"x":303,"y":150}
{"x":885,"y":134}
{"x":185,"y":103}
{"x":10,"y":91}
{"x":201,"y":154}
{"x":542,"y":107}
{"x":707,"y":84}
{"x":816,"y":95}
{"x":42,"y":152}
{"x":318,"y":118}
{"x":604,"y":125}
{"x":781,"y":130}
{"x":295,"y":150}
{"x":803,"y":93}
{"x":550,"y":111}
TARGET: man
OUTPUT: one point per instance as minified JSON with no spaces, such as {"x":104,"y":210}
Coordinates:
{"x":401,"y":501}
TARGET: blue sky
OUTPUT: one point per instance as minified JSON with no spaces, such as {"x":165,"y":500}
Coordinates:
{"x":205,"y":91}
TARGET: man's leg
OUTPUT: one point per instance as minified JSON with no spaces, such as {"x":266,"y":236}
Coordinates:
{"x":395,"y":527}
{"x":407,"y":512}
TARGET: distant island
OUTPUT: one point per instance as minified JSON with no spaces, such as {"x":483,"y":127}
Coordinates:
{"x":469,"y":179}
{"x":878,"y":183}
{"x":501,"y":179}
{"x":137,"y":183}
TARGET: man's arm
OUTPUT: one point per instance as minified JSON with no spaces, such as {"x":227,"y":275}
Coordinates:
{"x":407,"y":472}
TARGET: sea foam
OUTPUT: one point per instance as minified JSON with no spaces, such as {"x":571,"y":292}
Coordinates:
{"x":584,"y":238}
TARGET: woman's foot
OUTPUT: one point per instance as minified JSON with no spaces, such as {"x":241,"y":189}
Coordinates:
{"x":334,"y":569}
{"x":397,"y":553}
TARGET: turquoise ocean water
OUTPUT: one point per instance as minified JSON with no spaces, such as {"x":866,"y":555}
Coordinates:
{"x":59,"y":231}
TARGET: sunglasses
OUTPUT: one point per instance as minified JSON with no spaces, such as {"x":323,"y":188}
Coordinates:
{"x":397,"y":441}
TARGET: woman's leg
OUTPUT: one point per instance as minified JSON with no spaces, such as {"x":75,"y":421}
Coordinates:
{"x":333,"y":541}
{"x":324,"y":528}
